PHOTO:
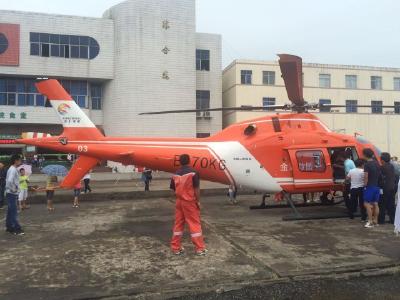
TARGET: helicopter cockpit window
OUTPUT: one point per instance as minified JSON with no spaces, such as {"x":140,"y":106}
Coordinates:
{"x":311,"y":161}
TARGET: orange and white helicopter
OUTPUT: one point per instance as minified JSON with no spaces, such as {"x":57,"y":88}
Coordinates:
{"x":290,"y":152}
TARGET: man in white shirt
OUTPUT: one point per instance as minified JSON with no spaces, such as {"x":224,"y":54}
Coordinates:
{"x":356,"y":177}
{"x":12,"y":191}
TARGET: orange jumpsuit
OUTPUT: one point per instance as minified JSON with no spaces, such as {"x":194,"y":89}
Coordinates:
{"x":187,"y":208}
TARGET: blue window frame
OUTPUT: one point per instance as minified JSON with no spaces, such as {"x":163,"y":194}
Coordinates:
{"x":66,"y":46}
{"x":202,"y":60}
{"x":3,"y":99}
{"x":40,"y":100}
{"x":268,"y":101}
{"x":246,"y":76}
{"x":22,"y":92}
{"x":376,"y":107}
{"x":322,"y":102}
{"x":351,"y":106}
{"x":95,"y":94}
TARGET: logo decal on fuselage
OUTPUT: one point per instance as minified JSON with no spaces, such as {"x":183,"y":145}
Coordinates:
{"x":63,"y":108}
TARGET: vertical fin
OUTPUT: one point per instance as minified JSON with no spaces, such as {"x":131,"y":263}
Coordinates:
{"x":75,"y":122}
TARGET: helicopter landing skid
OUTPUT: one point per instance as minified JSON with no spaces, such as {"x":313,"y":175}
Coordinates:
{"x":299,"y":216}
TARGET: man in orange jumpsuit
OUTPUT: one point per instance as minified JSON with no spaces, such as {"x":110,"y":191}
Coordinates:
{"x":186,"y":184}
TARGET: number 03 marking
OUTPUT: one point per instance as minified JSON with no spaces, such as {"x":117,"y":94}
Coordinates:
{"x":82,"y":148}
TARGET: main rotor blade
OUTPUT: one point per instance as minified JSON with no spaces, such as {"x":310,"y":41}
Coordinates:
{"x":361,"y":106}
{"x":240,"y":108}
{"x":292,"y":74}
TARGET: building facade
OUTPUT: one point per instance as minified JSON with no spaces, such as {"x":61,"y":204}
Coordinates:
{"x":142,"y":55}
{"x":259,"y":83}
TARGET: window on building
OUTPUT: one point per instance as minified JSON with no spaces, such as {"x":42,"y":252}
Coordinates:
{"x":351,"y":81}
{"x":202,"y":60}
{"x":202,"y":135}
{"x":376,"y":107}
{"x":322,"y":102}
{"x":351,"y":106}
{"x":268,"y":102}
{"x":203,"y":102}
{"x":245,"y":76}
{"x":40,"y":100}
{"x":396,"y":83}
{"x":67,"y":46}
{"x":325,"y":80}
{"x":376,"y":82}
{"x":397,"y":107}
{"x":311,"y":161}
{"x":45,"y":50}
{"x":78,"y":90}
{"x":269,"y":77}
{"x":95,"y":94}
{"x":11,"y":99}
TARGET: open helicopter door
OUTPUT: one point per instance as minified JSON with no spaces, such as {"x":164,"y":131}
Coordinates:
{"x":311,"y":168}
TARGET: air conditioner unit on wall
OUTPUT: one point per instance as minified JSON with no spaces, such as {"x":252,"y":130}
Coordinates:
{"x":390,"y":112}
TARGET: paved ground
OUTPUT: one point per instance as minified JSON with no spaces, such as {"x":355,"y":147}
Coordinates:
{"x":119,"y":250}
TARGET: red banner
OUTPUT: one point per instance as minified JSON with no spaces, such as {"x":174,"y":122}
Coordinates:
{"x":9,"y":44}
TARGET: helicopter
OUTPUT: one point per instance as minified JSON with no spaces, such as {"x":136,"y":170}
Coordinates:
{"x":290,"y":151}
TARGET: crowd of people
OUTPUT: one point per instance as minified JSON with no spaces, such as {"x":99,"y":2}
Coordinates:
{"x":15,"y":189}
{"x":372,"y":187}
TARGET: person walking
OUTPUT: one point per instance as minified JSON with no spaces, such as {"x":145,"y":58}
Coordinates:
{"x":77,"y":192}
{"x":12,"y":191}
{"x":186,"y":184}
{"x":51,"y":185}
{"x":147,"y":177}
{"x":387,"y":204}
{"x":23,"y":193}
{"x":397,"y":215}
{"x":86,"y":181}
{"x":356,"y":179}
{"x":3,"y":175}
{"x":232,"y":194}
{"x":371,"y":191}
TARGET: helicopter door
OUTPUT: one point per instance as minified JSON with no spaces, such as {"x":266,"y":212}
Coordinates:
{"x":311,"y":168}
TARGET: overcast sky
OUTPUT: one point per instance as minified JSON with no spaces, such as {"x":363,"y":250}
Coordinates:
{"x":356,"y":32}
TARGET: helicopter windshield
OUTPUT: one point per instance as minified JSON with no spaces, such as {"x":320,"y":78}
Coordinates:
{"x":363,"y":140}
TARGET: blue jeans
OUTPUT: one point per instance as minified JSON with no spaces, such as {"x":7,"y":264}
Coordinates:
{"x":2,"y":194}
{"x":12,"y":213}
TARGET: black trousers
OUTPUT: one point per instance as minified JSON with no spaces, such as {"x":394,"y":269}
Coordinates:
{"x":87,"y":186}
{"x":357,"y":199}
{"x":147,"y":185}
{"x":347,"y":199}
{"x":387,"y":205}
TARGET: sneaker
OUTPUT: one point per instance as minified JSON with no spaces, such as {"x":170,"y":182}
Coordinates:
{"x":19,"y":232}
{"x":369,"y":225}
{"x":179,"y":252}
{"x":202,"y":252}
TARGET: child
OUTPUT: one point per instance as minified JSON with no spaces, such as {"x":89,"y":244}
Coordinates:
{"x":23,"y":186}
{"x":356,"y":177}
{"x":51,"y":185}
{"x":77,"y":192}
{"x":232,"y":194}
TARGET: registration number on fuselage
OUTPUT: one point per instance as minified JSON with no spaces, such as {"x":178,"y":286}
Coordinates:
{"x":203,"y":163}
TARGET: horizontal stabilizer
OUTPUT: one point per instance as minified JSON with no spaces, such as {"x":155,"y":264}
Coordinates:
{"x":82,"y":166}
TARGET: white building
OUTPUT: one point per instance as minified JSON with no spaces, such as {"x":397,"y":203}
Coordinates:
{"x":142,"y":55}
{"x":259,"y":83}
